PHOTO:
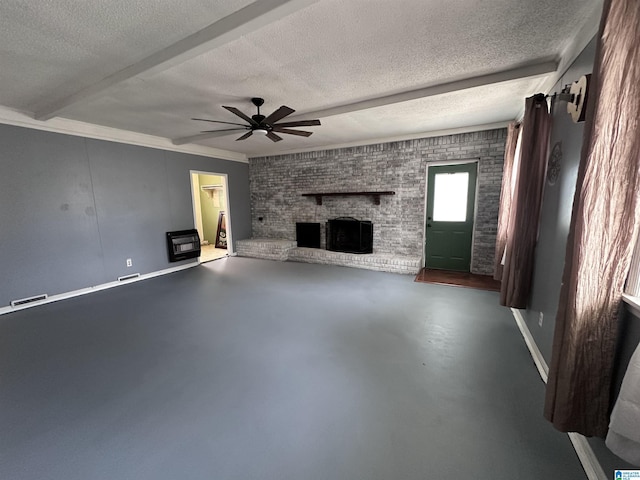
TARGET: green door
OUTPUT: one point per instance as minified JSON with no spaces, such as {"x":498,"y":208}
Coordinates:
{"x":451,"y":191}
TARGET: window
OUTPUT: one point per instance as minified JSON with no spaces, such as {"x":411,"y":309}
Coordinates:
{"x":450,"y":195}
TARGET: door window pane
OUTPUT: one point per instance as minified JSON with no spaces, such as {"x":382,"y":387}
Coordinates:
{"x":450,"y":197}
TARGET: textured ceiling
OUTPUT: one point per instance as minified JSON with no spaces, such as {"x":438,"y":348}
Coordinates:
{"x":348,"y":62}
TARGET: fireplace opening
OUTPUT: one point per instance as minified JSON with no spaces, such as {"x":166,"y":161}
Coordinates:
{"x":308,"y":234}
{"x":347,"y":234}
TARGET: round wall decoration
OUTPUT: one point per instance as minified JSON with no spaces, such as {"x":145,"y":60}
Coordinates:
{"x":553,"y":166}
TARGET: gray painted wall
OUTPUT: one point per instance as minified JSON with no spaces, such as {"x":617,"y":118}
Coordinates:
{"x":277,"y":183}
{"x":72,"y":210}
{"x":556,"y":213}
{"x":551,"y":248}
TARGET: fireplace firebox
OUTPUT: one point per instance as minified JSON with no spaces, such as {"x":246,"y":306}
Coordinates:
{"x":308,"y":234}
{"x":347,"y":234}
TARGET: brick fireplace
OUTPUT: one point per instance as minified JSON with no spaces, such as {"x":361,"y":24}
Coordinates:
{"x":278,"y":185}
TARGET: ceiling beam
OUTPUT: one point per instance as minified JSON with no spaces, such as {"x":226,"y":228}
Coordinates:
{"x":536,"y":70}
{"x":246,"y":20}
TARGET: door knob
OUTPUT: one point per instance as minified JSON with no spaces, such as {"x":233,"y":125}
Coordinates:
{"x":428,"y":224}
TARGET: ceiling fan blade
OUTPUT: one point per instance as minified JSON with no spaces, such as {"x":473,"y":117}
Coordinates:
{"x":299,"y":123}
{"x":237,"y":112}
{"x":274,"y":137}
{"x":301,"y":133}
{"x":245,"y":136}
{"x":280,"y":113}
{"x":216,"y":121}
{"x":224,"y":130}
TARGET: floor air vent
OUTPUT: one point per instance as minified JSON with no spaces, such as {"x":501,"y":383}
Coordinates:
{"x":24,"y":301}
{"x":128,"y":277}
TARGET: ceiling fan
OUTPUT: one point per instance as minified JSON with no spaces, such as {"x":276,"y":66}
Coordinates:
{"x":260,"y":125}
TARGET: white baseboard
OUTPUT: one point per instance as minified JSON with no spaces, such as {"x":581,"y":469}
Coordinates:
{"x":587,"y":458}
{"x":96,"y":288}
{"x":589,"y":461}
{"x":536,"y":354}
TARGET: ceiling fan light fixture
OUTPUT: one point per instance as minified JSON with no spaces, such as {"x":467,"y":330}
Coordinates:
{"x":260,"y":131}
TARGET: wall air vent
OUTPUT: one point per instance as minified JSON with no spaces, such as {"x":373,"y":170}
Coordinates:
{"x":24,"y":301}
{"x":128,"y":277}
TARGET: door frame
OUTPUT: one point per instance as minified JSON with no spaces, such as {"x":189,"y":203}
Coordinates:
{"x":442,"y":163}
{"x":194,"y":197}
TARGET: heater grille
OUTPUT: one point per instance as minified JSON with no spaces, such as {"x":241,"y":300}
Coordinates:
{"x":183,"y":244}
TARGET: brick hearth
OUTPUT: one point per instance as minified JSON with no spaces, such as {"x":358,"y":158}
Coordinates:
{"x":286,"y":250}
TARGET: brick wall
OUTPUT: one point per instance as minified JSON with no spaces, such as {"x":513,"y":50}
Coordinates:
{"x":277,"y":183}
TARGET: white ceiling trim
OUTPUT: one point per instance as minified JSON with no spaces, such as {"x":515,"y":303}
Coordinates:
{"x":399,"y":138}
{"x":10,"y":116}
{"x":244,"y":21}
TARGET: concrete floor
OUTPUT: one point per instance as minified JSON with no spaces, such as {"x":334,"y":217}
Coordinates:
{"x":253,"y":369}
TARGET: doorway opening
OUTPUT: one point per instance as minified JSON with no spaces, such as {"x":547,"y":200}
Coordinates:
{"x":450,"y":215}
{"x":210,"y":197}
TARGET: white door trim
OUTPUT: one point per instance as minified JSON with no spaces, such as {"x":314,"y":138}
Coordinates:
{"x":225,"y":185}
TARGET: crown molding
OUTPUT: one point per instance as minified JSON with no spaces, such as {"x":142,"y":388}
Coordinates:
{"x":66,"y":126}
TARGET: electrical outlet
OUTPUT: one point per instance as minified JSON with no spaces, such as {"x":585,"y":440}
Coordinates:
{"x":129,"y":262}
{"x":540,"y":319}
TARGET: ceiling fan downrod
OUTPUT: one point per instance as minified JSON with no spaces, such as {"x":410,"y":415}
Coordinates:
{"x":258,"y":102}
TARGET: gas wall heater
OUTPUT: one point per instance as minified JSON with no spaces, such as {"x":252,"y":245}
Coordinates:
{"x":183,"y":244}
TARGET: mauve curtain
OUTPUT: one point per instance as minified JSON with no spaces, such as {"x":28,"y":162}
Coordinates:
{"x":602,"y":233}
{"x":522,"y":230}
{"x":513,"y":130}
